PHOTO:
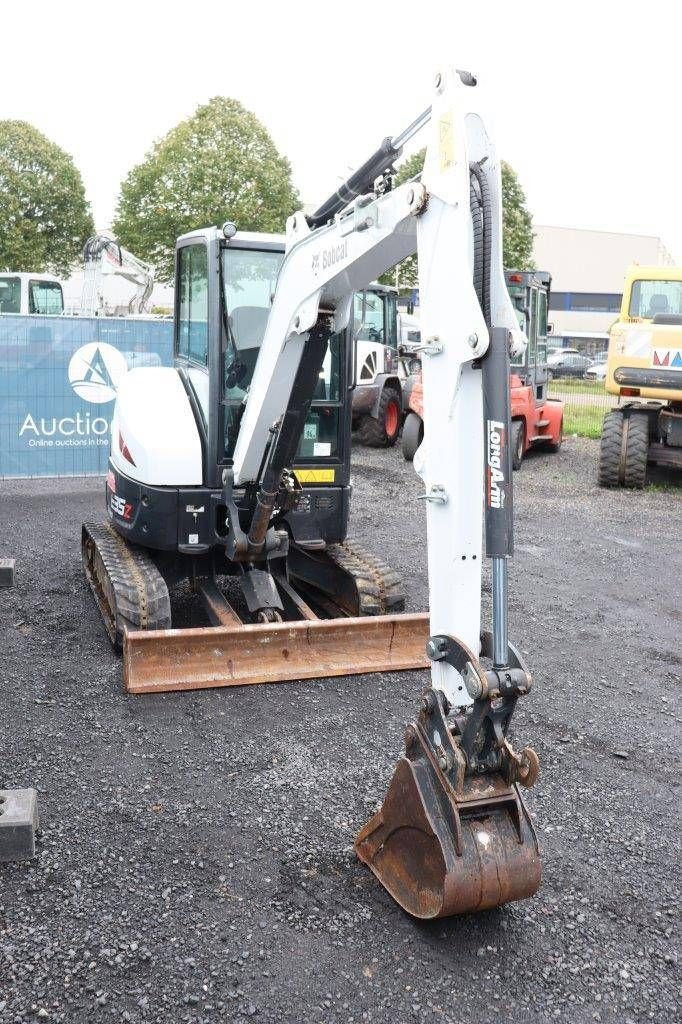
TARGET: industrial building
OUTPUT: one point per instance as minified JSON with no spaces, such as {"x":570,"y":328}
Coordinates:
{"x":588,"y":269}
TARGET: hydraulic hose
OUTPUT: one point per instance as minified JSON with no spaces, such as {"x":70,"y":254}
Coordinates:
{"x":486,"y":215}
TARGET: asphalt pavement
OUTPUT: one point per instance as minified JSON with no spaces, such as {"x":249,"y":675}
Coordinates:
{"x":195,"y":861}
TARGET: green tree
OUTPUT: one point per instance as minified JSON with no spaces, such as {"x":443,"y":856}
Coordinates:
{"x":44,"y":215}
{"x":218,"y":165}
{"x":517,"y":224}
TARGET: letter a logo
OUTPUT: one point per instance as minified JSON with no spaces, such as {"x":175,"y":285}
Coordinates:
{"x":95,"y":370}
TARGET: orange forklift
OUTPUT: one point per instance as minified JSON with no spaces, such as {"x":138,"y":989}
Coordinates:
{"x":536,"y":419}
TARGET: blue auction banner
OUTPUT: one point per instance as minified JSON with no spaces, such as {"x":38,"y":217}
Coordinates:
{"x":58,"y":379}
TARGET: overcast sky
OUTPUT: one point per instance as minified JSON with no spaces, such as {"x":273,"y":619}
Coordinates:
{"x":587,"y":94}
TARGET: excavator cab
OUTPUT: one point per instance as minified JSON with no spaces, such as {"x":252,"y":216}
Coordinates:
{"x":225,"y":283}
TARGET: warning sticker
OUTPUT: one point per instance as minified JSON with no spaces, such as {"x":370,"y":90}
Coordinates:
{"x":315,"y":476}
{"x":446,"y":142}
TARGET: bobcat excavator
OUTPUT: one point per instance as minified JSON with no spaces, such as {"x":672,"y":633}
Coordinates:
{"x":230,"y":470}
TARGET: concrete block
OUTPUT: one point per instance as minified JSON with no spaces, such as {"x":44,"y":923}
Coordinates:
{"x":18,"y":823}
{"x":6,"y":572}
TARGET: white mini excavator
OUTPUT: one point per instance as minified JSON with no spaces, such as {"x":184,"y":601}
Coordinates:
{"x":230,"y":470}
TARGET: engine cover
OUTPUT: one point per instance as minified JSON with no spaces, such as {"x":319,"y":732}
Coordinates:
{"x":154,"y":436}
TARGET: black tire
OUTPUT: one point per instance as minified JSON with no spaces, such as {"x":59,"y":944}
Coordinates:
{"x":610,"y":449}
{"x":413,"y":435}
{"x":518,"y":443}
{"x":623,"y":450}
{"x":382,"y":431}
{"x":636,"y":450}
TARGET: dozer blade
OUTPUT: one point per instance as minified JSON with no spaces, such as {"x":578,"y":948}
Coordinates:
{"x":156,"y":661}
{"x":446,"y":844}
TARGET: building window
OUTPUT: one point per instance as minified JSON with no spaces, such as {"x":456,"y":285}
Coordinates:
{"x":585,"y":302}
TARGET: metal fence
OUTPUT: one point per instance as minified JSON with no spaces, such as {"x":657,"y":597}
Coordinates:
{"x":585,"y":404}
{"x":58,"y":378}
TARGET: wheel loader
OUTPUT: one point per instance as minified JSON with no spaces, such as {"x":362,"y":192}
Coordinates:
{"x":644,"y":367}
{"x":230,"y":473}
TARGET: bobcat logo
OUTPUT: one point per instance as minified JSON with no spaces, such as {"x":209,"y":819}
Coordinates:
{"x":316,"y":263}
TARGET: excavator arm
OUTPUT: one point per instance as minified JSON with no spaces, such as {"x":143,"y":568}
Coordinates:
{"x":462,"y":294}
{"x":453,"y":834}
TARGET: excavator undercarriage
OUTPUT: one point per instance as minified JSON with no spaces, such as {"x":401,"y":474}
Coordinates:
{"x":339,"y":616}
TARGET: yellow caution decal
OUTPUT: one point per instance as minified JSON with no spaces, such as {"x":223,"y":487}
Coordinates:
{"x":315,"y":476}
{"x":446,"y":142}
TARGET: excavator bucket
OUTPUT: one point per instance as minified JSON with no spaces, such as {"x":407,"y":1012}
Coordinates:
{"x":235,"y":655}
{"x":445,"y":843}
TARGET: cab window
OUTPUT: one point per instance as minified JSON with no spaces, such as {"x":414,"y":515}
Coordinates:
{"x":320,"y":437}
{"x":542,"y":327}
{"x":369,"y":317}
{"x":650,"y":298}
{"x":10,"y":295}
{"x":45,"y":297}
{"x":542,"y":315}
{"x":391,"y":327}
{"x":192,"y":298}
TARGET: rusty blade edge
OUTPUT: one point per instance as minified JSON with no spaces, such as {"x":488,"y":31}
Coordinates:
{"x":163,"y":660}
{"x":404,"y":618}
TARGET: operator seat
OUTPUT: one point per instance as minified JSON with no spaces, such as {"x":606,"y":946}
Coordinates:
{"x":658,"y":303}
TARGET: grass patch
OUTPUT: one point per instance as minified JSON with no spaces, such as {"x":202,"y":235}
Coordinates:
{"x":670,"y":486}
{"x":585,"y":405}
{"x":583,"y":420}
{"x":577,"y":386}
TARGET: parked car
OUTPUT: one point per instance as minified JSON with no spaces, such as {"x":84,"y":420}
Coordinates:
{"x":567,"y":364}
{"x":558,"y":353}
{"x":597,"y":371}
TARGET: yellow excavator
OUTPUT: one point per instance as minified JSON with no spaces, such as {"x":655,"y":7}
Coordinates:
{"x":230,"y":471}
{"x":645,"y":368}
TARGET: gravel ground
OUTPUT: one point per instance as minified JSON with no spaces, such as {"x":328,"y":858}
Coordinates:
{"x":195,"y":861}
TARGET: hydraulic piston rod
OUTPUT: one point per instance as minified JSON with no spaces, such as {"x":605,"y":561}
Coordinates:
{"x":500,"y":630}
{"x":362,"y":180}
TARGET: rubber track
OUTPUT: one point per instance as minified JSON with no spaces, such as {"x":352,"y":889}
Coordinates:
{"x":380,"y":588}
{"x":129,"y":590}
